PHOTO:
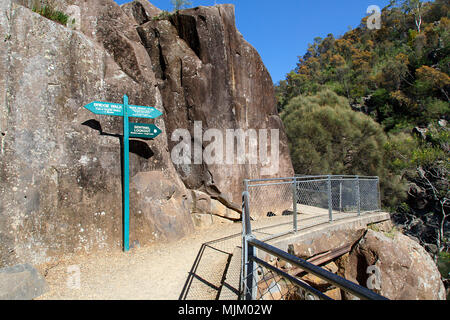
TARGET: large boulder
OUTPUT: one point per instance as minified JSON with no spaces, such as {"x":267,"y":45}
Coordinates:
{"x":21,"y":282}
{"x":208,"y":73}
{"x":60,"y":165}
{"x":141,"y":11}
{"x":328,"y":241}
{"x":406,"y":270}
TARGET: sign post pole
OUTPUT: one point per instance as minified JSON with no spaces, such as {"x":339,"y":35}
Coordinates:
{"x":138,"y":130}
{"x":126,"y":177}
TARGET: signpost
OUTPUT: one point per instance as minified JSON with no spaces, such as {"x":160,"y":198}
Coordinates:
{"x":144,"y":131}
{"x":134,"y":130}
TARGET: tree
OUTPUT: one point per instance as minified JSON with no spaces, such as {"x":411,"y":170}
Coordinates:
{"x":327,"y":136}
{"x":435,"y":181}
{"x":180,"y":4}
{"x":424,"y":161}
{"x":416,"y":7}
{"x":438,"y":80}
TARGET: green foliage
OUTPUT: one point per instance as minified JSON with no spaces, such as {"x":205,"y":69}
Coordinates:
{"x":398,"y":75}
{"x":326,"y":136}
{"x":47,"y":9}
{"x":427,"y":156}
{"x":180,"y":4}
{"x":164,"y":15}
{"x":444,"y":264}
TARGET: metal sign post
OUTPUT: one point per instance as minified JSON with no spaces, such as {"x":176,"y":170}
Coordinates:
{"x":134,"y":130}
{"x":126,"y":177}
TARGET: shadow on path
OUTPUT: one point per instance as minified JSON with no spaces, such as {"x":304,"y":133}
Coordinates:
{"x":208,"y":273}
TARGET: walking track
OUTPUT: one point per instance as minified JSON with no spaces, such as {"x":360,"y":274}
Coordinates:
{"x":193,"y":268}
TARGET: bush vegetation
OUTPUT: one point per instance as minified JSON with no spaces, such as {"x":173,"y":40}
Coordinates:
{"x":47,"y":9}
{"x":376,"y":102}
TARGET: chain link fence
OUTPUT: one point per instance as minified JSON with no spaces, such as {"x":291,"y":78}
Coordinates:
{"x":262,"y":274}
{"x":275,"y":208}
{"x":291,"y":199}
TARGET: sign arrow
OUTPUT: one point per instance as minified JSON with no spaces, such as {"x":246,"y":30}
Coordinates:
{"x":143,"y":112}
{"x":105,"y":108}
{"x":142,"y":130}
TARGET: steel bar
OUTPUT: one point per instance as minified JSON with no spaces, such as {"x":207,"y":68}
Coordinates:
{"x":268,"y":184}
{"x":294,"y":204}
{"x":339,"y":282}
{"x":296,"y":281}
{"x":330,"y":200}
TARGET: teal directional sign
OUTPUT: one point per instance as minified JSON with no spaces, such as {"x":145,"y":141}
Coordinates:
{"x":143,"y":112}
{"x":146,"y":131}
{"x":105,"y":108}
{"x":135,"y":130}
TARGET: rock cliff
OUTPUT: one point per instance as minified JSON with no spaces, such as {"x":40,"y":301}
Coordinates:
{"x":60,"y":165}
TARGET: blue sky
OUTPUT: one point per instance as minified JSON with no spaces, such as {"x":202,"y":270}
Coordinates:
{"x":281,"y":30}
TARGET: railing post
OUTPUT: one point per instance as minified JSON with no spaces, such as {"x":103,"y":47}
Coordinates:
{"x":294,"y":205}
{"x":379,"y":193}
{"x":247,"y":265}
{"x":340,"y":196}
{"x":358,"y":196}
{"x":330,"y":200}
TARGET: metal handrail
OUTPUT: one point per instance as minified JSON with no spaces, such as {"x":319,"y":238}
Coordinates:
{"x":292,"y":279}
{"x":336,"y":176}
{"x":323,"y":274}
{"x":250,"y":244}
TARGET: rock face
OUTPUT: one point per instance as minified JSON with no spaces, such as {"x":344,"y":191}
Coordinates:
{"x":208,"y":73}
{"x":406,"y":270}
{"x":21,"y":282}
{"x":60,"y":165}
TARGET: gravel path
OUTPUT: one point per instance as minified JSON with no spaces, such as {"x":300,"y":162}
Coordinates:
{"x":160,"y":272}
{"x":157,"y":272}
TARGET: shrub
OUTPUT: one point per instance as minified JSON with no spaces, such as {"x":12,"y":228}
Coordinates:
{"x":47,"y":10}
{"x":165,"y":15}
{"x":327,"y":137}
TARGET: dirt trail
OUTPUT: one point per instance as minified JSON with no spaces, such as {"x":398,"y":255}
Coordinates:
{"x":157,"y":272}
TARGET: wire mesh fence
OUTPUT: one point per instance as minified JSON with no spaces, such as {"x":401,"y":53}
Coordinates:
{"x":369,"y":190}
{"x":276,"y":206}
{"x":286,"y":277}
{"x":314,"y":195}
{"x":276,"y":196}
{"x":263,"y":280}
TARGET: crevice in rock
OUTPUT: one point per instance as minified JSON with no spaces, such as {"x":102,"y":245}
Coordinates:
{"x":186,"y":27}
{"x":162,"y":61}
{"x":181,"y":73}
{"x":140,"y":13}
